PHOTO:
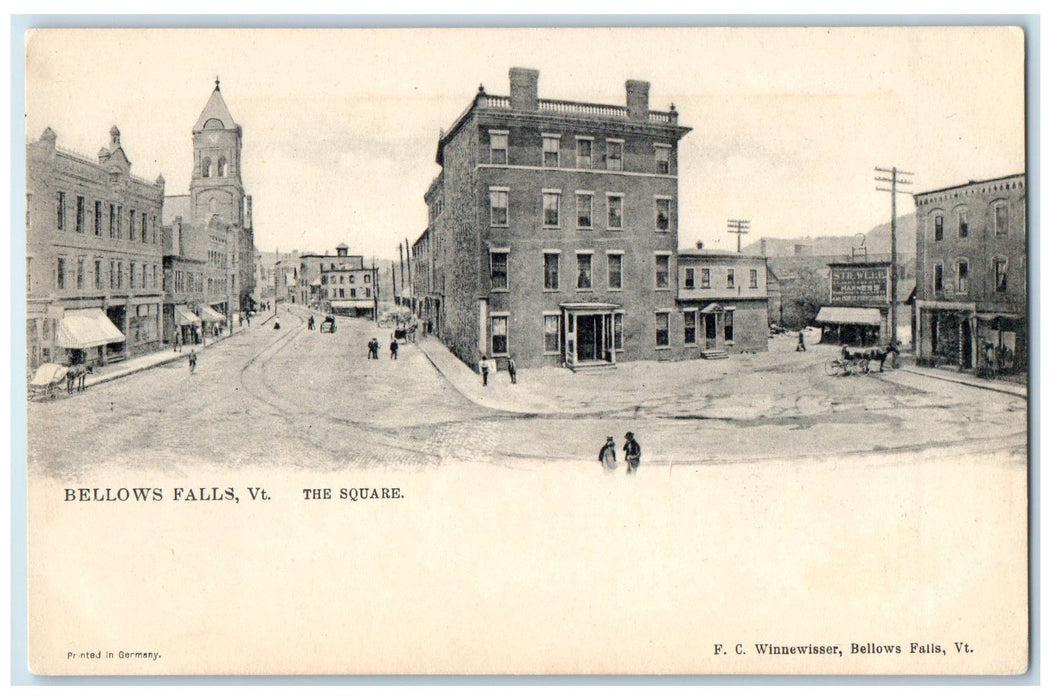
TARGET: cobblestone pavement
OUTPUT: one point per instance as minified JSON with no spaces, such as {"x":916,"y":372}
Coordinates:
{"x":304,"y":399}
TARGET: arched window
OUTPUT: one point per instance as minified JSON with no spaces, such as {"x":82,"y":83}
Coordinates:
{"x":222,"y":166}
{"x":206,"y":167}
{"x":211,"y":205}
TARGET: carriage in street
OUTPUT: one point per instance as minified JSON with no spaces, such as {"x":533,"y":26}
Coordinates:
{"x":48,"y":378}
{"x":328,"y":325}
{"x":854,"y":361}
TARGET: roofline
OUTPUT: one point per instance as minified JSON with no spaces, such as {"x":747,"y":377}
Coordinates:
{"x":970,"y":183}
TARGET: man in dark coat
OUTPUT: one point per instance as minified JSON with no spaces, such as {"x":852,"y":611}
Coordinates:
{"x":394,"y":349}
{"x":632,"y":452}
{"x":607,"y":456}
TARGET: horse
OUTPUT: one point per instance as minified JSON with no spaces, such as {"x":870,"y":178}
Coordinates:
{"x":76,"y":375}
{"x":874,"y":353}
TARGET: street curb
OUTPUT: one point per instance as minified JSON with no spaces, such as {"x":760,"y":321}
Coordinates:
{"x":1022,"y":393}
{"x":120,"y":374}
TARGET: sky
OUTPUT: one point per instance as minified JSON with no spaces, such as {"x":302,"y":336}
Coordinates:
{"x":341,"y":125}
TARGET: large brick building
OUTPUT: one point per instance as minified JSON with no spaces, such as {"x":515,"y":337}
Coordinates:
{"x":971,"y":274}
{"x":552,"y":230}
{"x":339,"y":283}
{"x":93,"y":255}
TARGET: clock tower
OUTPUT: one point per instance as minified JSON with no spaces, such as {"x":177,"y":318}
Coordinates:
{"x":216,"y":189}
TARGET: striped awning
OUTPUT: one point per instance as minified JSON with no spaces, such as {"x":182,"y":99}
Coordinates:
{"x":86,"y":328}
{"x":210,"y":315}
{"x":352,"y":304}
{"x":185,"y":317}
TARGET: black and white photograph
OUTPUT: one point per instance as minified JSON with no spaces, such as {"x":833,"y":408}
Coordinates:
{"x":508,"y":350}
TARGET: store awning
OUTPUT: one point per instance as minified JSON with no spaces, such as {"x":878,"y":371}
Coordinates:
{"x":86,"y":328}
{"x":210,"y":315}
{"x":352,"y":304}
{"x":848,"y":316}
{"x":990,"y":317}
{"x":185,"y":317}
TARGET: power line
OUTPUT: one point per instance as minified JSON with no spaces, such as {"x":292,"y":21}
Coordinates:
{"x":739,"y":227}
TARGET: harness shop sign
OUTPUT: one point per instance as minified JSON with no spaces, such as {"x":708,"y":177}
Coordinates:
{"x":859,"y":285}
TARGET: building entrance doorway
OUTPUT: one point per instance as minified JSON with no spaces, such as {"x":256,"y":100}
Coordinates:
{"x":589,"y":338}
{"x":590,"y":334}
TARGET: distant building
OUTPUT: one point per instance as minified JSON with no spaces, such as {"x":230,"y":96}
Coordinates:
{"x":859,"y":305}
{"x":553,"y":230}
{"x":286,"y":276}
{"x":339,"y":283}
{"x":93,"y":255}
{"x":723,"y":303}
{"x":971,"y":274}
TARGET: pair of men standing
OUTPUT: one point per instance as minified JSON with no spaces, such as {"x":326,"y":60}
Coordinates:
{"x":632,"y":453}
{"x":485,"y":366}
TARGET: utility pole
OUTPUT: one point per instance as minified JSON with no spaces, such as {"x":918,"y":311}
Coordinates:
{"x":739,"y":227}
{"x":895,"y":179}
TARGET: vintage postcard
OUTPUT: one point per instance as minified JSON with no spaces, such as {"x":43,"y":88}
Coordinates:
{"x":688,"y":350}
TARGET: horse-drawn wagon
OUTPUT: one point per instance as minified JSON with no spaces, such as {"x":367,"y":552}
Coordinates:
{"x":852,"y":361}
{"x":46,"y":380}
{"x":328,"y":325}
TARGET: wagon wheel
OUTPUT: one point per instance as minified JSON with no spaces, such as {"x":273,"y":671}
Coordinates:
{"x":831,"y":367}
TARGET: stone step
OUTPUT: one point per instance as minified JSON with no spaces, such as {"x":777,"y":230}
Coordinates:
{"x":714,"y":354}
{"x":594,"y":367}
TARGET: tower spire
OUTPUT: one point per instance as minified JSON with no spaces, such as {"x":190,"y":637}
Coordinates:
{"x":217,"y":81}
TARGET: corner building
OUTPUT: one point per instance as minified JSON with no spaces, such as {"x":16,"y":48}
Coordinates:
{"x":553,"y":227}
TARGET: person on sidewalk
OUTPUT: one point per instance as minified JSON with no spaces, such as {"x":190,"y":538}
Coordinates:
{"x":512,"y":370}
{"x":394,"y":349}
{"x":484,"y":366}
{"x":177,"y":341}
{"x":632,"y":452}
{"x":801,"y":346}
{"x":193,"y":360}
{"x":607,"y":456}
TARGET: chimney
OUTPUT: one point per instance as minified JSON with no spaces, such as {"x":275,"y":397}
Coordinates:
{"x":524,"y":89}
{"x":638,"y":100}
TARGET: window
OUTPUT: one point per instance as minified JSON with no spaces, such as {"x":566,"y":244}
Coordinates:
{"x":98,"y":274}
{"x":367,"y":279}
{"x":498,"y":207}
{"x":498,"y":147}
{"x":324,"y":279}
{"x":1000,"y":274}
{"x":551,"y":334}
{"x":60,"y":211}
{"x":728,"y":326}
{"x":131,"y":275}
{"x":938,"y":282}
{"x":663,"y":157}
{"x":689,"y":327}
{"x":112,"y":220}
{"x":153,"y":227}
{"x":753,"y":279}
{"x":353,"y":291}
{"x":498,"y":269}
{"x":551,"y":206}
{"x":663,"y":275}
{"x":98,"y":218}
{"x":120,"y":219}
{"x":583,"y":270}
{"x":79,"y":223}
{"x":499,"y":334}
{"x":368,"y":292}
{"x":206,"y":167}
{"x":662,"y":329}
{"x":120,"y":275}
{"x":706,"y":278}
{"x":143,"y":229}
{"x":550,"y":271}
{"x":615,"y":211}
{"x":1000,"y":216}
{"x":80,"y":273}
{"x":618,"y":332}
{"x":551,"y":144}
{"x":145,"y":269}
{"x":29,"y":202}
{"x":614,"y":155}
{"x":584,"y":201}
{"x":961,"y":276}
{"x":222,"y":166}
{"x":663,"y":214}
{"x":61,"y":273}
{"x":615,"y":266}
{"x":688,"y":281}
{"x":961,"y":223}
{"x":131,"y":224}
{"x":730,"y":278}
{"x":939,"y":227}
{"x":153,"y":277}
{"x":112,"y":274}
{"x":583,"y":153}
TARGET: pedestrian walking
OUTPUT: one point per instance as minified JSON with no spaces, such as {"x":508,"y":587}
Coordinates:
{"x":193,"y":360}
{"x":394,"y":349}
{"x":176,"y":345}
{"x":801,"y":346}
{"x":607,"y":456}
{"x":512,"y":370}
{"x":484,"y":367}
{"x":632,"y":452}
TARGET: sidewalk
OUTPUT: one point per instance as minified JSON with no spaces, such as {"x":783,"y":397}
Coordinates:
{"x":1004,"y":387}
{"x":778,"y":382}
{"x":137,"y":364}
